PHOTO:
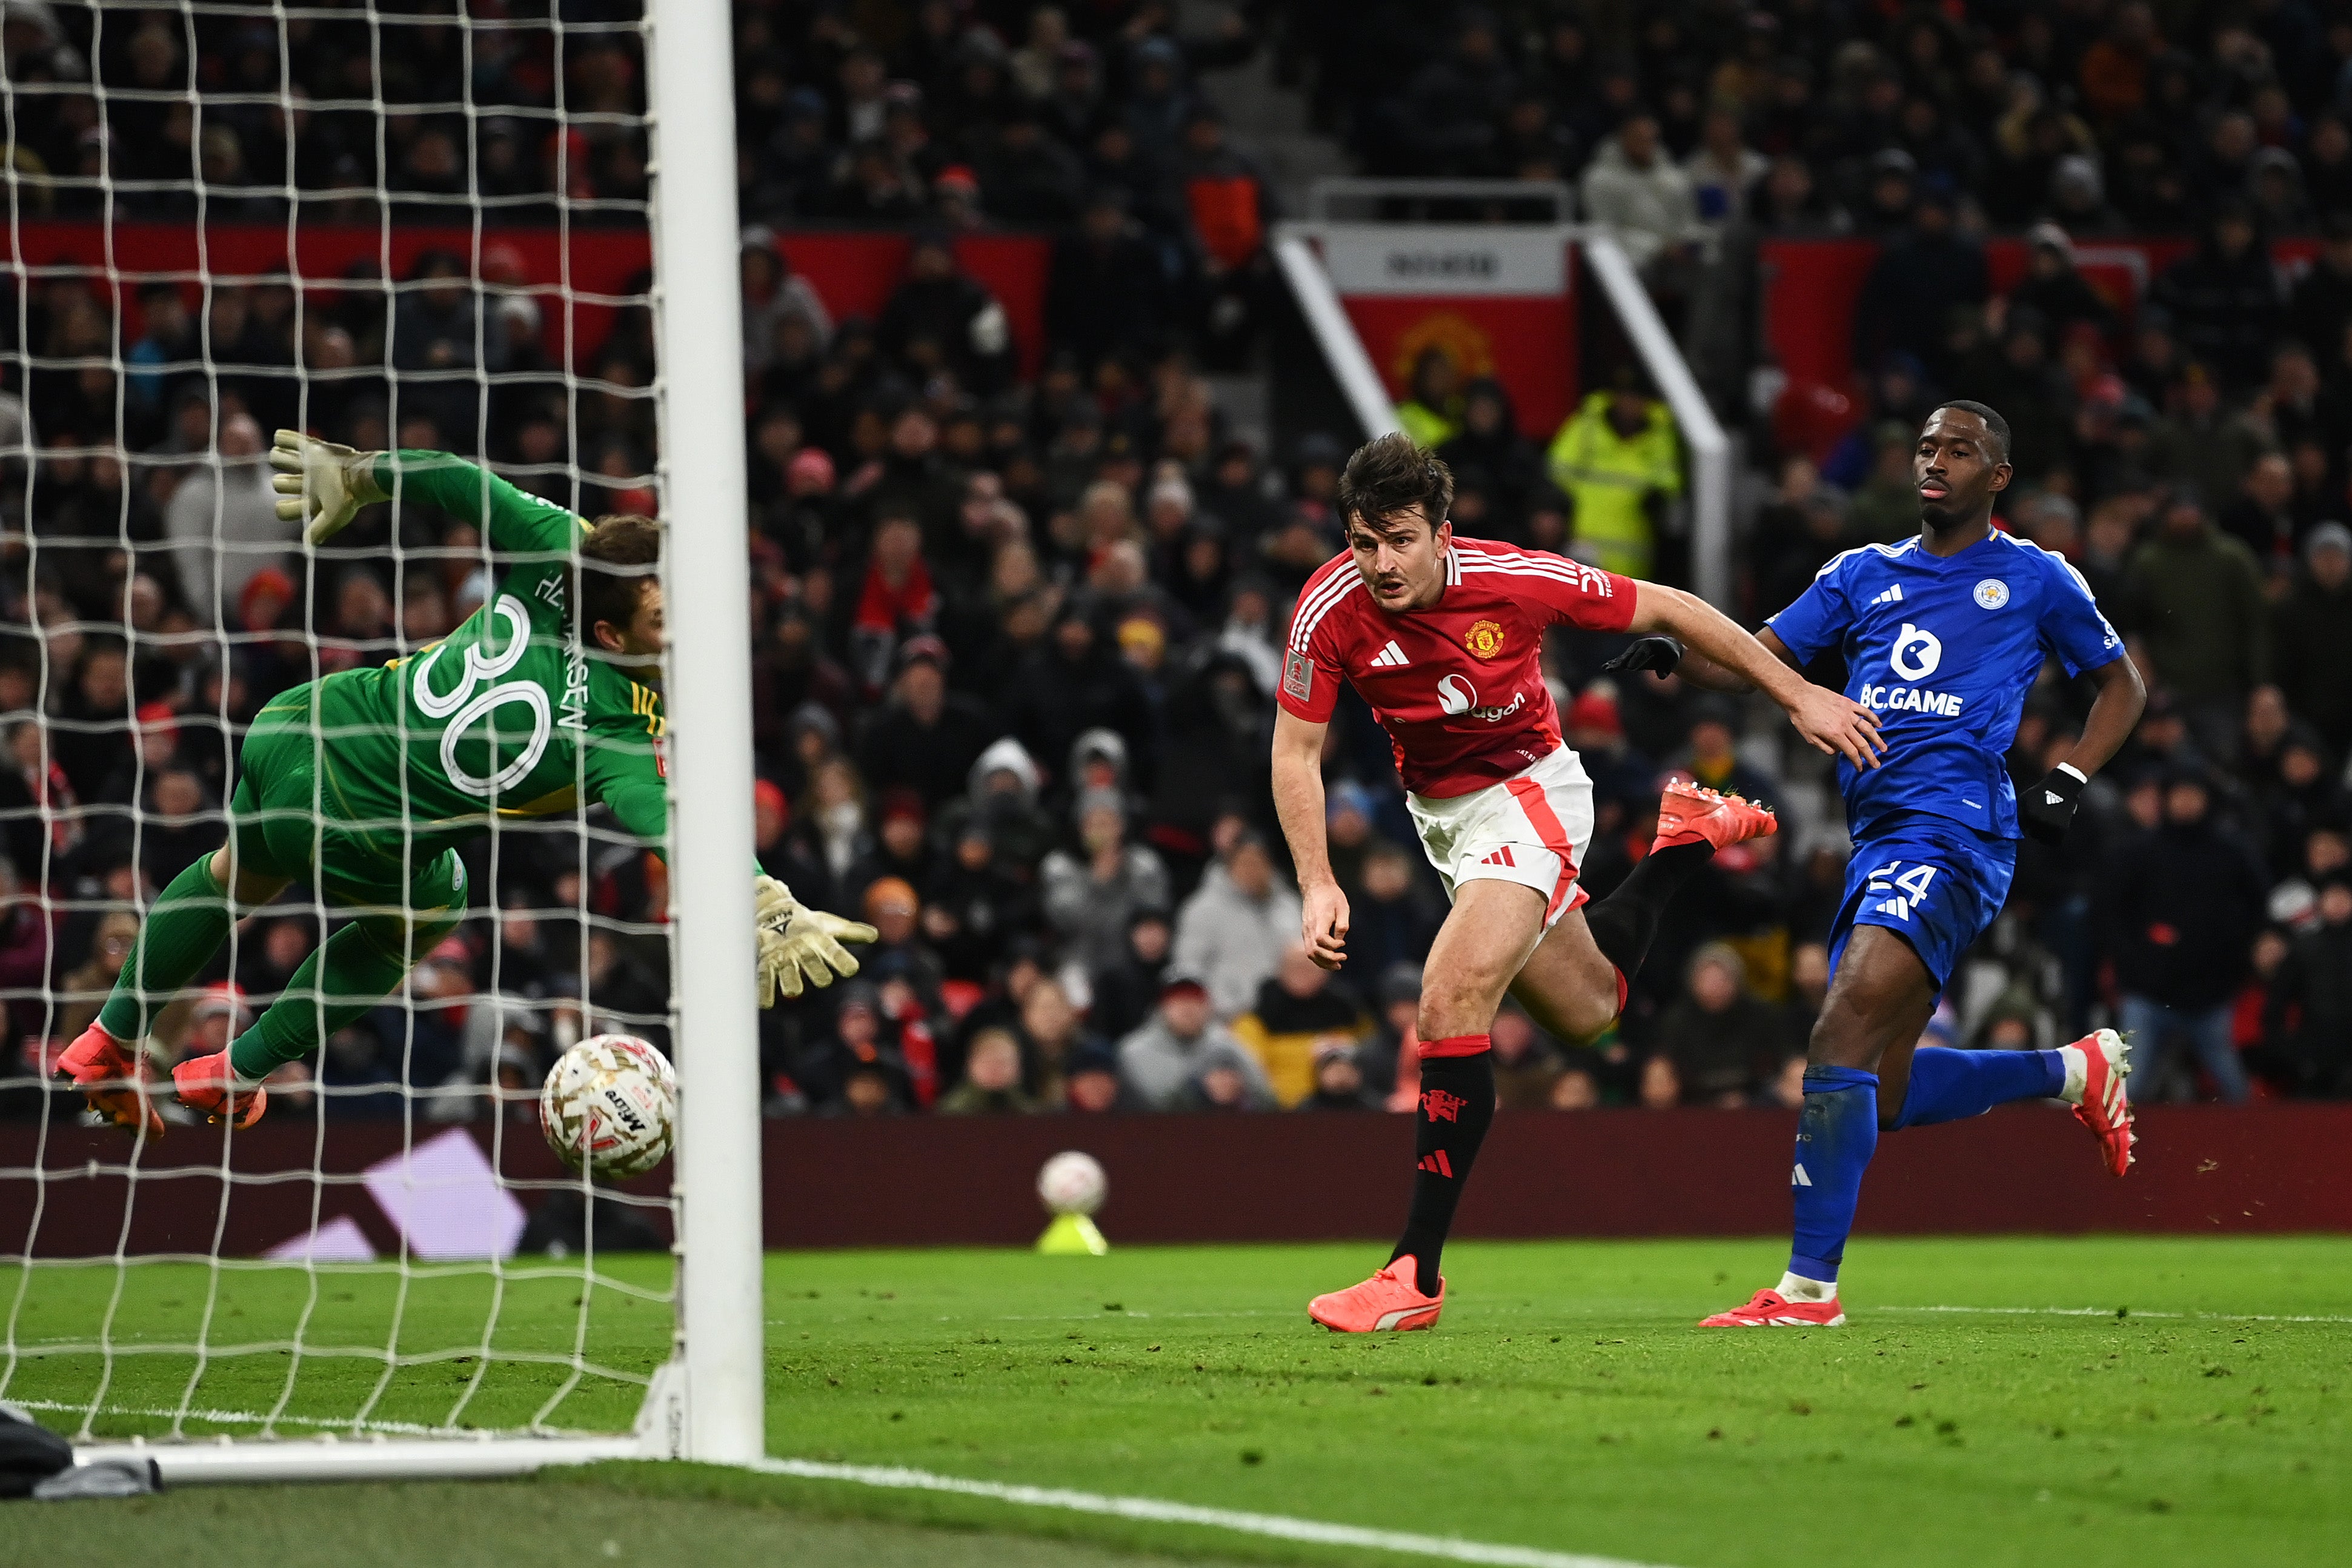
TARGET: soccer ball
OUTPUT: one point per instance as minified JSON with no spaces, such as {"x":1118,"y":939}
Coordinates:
{"x":1072,"y":1183}
{"x":610,"y":1104}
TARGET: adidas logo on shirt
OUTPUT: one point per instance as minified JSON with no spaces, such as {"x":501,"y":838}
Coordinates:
{"x":1390,"y":657}
{"x":1891,"y":597}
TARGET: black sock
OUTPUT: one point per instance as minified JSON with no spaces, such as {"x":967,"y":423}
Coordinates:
{"x":1457,"y":1106}
{"x":1624,"y":922}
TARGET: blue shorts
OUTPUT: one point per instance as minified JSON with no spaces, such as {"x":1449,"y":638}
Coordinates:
{"x":1937,"y":882}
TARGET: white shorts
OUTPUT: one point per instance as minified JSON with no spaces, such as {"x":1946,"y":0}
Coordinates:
{"x":1532,"y":829}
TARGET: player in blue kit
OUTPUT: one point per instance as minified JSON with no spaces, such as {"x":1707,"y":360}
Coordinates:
{"x":1944,"y":636}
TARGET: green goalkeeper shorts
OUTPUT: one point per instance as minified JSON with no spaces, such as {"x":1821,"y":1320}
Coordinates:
{"x":289,"y":819}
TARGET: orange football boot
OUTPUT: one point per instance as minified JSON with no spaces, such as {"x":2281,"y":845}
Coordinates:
{"x":1691,"y":813}
{"x":1770,"y":1310}
{"x":2105,"y":1108}
{"x":113,"y":1079}
{"x":1389,"y":1301}
{"x":209,"y":1085}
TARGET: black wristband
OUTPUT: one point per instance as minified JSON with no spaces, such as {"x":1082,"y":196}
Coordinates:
{"x":2048,"y":808}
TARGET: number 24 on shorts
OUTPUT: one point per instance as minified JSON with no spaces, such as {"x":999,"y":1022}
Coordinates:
{"x":1913,"y":884}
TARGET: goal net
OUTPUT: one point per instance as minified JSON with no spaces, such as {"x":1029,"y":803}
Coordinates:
{"x":424,"y":226}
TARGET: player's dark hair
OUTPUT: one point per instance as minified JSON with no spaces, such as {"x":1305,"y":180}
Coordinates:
{"x":621,"y":555}
{"x":1995,"y":426}
{"x":1391,"y":475}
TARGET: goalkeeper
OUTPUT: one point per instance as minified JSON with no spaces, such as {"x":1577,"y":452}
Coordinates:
{"x":364,"y":784}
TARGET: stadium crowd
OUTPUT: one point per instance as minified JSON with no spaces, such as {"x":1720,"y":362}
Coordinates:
{"x":1017,"y":636}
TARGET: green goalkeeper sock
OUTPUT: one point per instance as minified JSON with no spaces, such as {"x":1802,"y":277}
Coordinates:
{"x":182,"y":932}
{"x":336,"y":986}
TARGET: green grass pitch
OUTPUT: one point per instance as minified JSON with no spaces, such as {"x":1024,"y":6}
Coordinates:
{"x":2142,"y":1400}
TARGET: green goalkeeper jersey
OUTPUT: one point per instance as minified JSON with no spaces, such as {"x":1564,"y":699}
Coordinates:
{"x":508,"y":716}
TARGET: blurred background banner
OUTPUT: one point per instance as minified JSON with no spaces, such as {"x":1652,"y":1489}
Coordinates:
{"x":1492,"y":302}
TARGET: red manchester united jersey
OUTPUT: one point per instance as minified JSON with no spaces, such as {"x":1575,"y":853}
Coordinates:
{"x":1459,"y":686}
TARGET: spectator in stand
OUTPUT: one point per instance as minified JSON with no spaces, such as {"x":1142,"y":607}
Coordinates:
{"x":1489,"y":443}
{"x":927,"y":737}
{"x":1722,"y":170}
{"x":2312,"y":655}
{"x":856,"y":1072}
{"x":1057,"y":1034}
{"x":2054,"y":290}
{"x":2193,"y":598}
{"x":1230,"y":929}
{"x":1126,"y":991}
{"x":942,"y":320}
{"x":1159,"y":1059}
{"x":2307,"y":1020}
{"x":1725,"y":1045}
{"x":2225,"y":298}
{"x":1074,"y":684}
{"x":1527,"y":1067}
{"x":1091,"y":896}
{"x":1221,"y":1082}
{"x":1339,"y":1080}
{"x":1448,"y":115}
{"x":1431,"y":411}
{"x":1713,"y":758}
{"x":1619,"y":461}
{"x":2321,"y":306}
{"x":1106,"y":293}
{"x":991,"y":1079}
{"x":2181,"y":907}
{"x":1025,"y":175}
{"x":2262,"y":517}
{"x":1393,"y":914}
{"x":1915,"y":288}
{"x":1636,"y":189}
{"x":224,"y":524}
{"x":1229,"y":197}
{"x":1297,"y":1006}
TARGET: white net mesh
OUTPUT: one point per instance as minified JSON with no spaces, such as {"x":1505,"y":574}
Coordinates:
{"x":392,"y":227}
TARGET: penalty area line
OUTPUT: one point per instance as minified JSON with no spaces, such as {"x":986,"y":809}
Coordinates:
{"x":1160,"y":1510}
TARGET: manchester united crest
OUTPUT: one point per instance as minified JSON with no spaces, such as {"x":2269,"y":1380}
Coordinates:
{"x":1484,"y":639}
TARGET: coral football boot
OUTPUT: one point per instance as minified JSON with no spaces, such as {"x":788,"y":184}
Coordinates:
{"x":1693,"y":814}
{"x":1389,"y":1301}
{"x":112,"y":1079}
{"x":2105,"y":1107}
{"x":1770,"y":1310}
{"x":209,"y":1085}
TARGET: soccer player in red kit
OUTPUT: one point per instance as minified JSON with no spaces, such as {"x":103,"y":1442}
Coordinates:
{"x":1443,"y":637}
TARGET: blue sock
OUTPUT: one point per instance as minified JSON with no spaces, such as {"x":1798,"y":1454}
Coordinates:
{"x":1835,"y":1136}
{"x":1946,"y":1085}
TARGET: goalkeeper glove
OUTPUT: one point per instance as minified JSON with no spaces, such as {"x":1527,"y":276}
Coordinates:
{"x":799,"y":946}
{"x":2048,"y":807}
{"x":1658,"y":653}
{"x":321,"y":485}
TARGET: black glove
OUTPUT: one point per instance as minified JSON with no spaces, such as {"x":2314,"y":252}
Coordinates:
{"x":1658,"y":653}
{"x":2048,"y":808}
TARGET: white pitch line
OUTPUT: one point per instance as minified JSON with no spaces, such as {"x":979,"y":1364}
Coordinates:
{"x":2132,"y":1313}
{"x":236,"y":1417}
{"x":1159,"y":1511}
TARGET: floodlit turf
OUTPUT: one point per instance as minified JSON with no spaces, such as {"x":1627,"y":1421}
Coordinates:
{"x":2187,"y":1405}
{"x":519,"y":1524}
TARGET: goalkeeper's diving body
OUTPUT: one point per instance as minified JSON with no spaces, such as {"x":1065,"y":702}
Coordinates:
{"x":363,"y":783}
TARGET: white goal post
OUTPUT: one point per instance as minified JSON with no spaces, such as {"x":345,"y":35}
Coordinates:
{"x":708,"y":1401}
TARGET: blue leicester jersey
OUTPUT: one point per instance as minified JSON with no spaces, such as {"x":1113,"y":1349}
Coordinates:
{"x":1944,"y":650}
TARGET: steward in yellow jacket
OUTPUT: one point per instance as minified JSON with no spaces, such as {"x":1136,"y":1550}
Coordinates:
{"x":1615,"y":452}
